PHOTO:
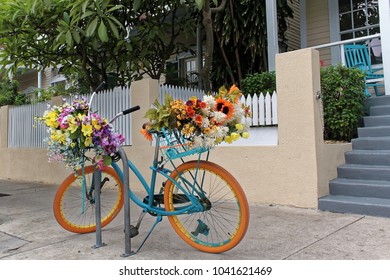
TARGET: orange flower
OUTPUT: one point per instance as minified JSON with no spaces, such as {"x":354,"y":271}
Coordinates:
{"x":146,"y":134}
{"x":233,"y":89}
{"x":190,"y":112}
{"x":199,"y":120}
{"x":225,"y":107}
{"x":203,"y":105}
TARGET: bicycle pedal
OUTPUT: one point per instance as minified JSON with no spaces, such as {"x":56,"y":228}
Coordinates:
{"x":133,"y":231}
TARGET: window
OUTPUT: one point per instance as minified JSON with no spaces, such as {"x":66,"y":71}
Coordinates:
{"x":358,"y":18}
{"x":191,"y":73}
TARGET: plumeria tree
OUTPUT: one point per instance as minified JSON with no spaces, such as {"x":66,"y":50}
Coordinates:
{"x":92,"y":39}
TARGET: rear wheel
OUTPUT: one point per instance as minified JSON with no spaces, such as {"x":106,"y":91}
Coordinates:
{"x":224,"y":221}
{"x":75,"y":210}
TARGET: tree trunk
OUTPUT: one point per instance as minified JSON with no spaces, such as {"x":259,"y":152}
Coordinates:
{"x":208,"y":27}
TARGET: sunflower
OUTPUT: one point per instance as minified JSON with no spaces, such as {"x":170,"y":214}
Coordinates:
{"x":225,"y":107}
{"x":146,"y":134}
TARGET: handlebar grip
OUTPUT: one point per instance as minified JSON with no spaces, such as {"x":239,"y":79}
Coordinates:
{"x":102,"y":84}
{"x":130,"y":110}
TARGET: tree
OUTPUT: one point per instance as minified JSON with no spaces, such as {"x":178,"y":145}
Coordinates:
{"x":9,"y":94}
{"x":94,"y":39}
{"x":237,"y":28}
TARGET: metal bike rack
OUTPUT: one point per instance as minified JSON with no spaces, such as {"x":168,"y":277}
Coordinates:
{"x":97,"y":179}
{"x":126,"y":186}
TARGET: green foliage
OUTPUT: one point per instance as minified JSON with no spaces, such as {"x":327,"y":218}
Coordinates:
{"x":93,"y":38}
{"x":259,"y":83}
{"x":241,"y":39}
{"x":9,"y":94}
{"x":161,"y":113}
{"x":343,"y":101}
{"x":46,"y":94}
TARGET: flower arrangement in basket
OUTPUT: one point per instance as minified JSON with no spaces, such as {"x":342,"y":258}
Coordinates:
{"x":204,"y":123}
{"x":73,"y":132}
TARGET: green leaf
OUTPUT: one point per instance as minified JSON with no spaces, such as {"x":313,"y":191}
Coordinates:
{"x":66,"y":18}
{"x":87,"y":14}
{"x":113,"y":28}
{"x":136,"y":5}
{"x":199,"y":4}
{"x":103,"y":32}
{"x":92,"y":27}
{"x":76,"y":37}
{"x":69,"y":39}
{"x":107,"y":160}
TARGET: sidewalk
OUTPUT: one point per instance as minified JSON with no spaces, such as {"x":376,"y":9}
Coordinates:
{"x":28,"y":230}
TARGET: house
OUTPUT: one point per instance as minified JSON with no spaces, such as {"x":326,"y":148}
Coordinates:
{"x":315,"y":23}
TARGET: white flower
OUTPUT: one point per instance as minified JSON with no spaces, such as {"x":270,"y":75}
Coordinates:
{"x":205,"y":122}
{"x":219,"y":117}
{"x":210,"y":101}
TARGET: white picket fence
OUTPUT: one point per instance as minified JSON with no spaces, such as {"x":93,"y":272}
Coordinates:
{"x":263,"y":106}
{"x":23,"y":132}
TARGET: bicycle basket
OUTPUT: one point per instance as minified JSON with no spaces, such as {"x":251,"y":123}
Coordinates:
{"x":173,"y":145}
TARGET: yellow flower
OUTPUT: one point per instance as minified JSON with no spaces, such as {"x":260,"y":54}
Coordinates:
{"x":51,"y":119}
{"x":235,"y":136}
{"x":88,"y":141}
{"x":95,"y":124}
{"x":239,"y":126}
{"x":228,"y":139}
{"x":86,"y":130}
{"x":245,"y":135}
{"x":58,"y":136}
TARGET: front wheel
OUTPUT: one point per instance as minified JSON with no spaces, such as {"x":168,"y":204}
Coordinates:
{"x":225,"y":217}
{"x":74,"y":207}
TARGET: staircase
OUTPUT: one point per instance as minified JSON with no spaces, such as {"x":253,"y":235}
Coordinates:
{"x":363,"y":183}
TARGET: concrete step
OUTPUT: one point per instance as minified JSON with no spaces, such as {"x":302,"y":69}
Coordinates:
{"x":368,"y":157}
{"x":371,"y":121}
{"x":371,"y":143}
{"x":361,"y":188}
{"x":355,"y":205}
{"x":377,"y":101}
{"x":380,"y":110}
{"x":374,"y":131}
{"x":364,"y":172}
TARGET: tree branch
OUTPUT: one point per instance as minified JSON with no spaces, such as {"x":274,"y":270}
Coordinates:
{"x":220,"y":7}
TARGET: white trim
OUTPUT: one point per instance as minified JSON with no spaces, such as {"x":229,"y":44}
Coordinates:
{"x":334,"y":28}
{"x":384,"y":20}
{"x":303,"y":23}
{"x":272,"y":33}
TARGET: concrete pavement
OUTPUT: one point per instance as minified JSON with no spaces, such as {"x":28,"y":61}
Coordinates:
{"x":28,"y":230}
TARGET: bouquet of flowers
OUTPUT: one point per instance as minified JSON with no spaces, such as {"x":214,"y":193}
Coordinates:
{"x":204,"y":123}
{"x":73,"y":132}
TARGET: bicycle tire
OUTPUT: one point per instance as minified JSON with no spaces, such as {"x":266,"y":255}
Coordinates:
{"x":225,"y":220}
{"x":68,"y":209}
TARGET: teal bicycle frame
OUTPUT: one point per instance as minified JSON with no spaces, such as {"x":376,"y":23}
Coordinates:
{"x":192,"y":190}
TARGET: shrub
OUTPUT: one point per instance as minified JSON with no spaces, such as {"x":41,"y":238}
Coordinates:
{"x":9,"y":94}
{"x":259,"y":83}
{"x":343,"y":101}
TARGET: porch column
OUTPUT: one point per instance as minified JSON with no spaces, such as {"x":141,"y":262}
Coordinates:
{"x":272,"y":33}
{"x":384,"y":19}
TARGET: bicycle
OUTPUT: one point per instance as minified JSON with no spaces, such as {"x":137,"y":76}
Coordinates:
{"x":204,"y":203}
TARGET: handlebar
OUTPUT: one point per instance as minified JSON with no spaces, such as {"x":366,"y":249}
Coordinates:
{"x":125,"y":112}
{"x":130,"y":110}
{"x":102,"y":84}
